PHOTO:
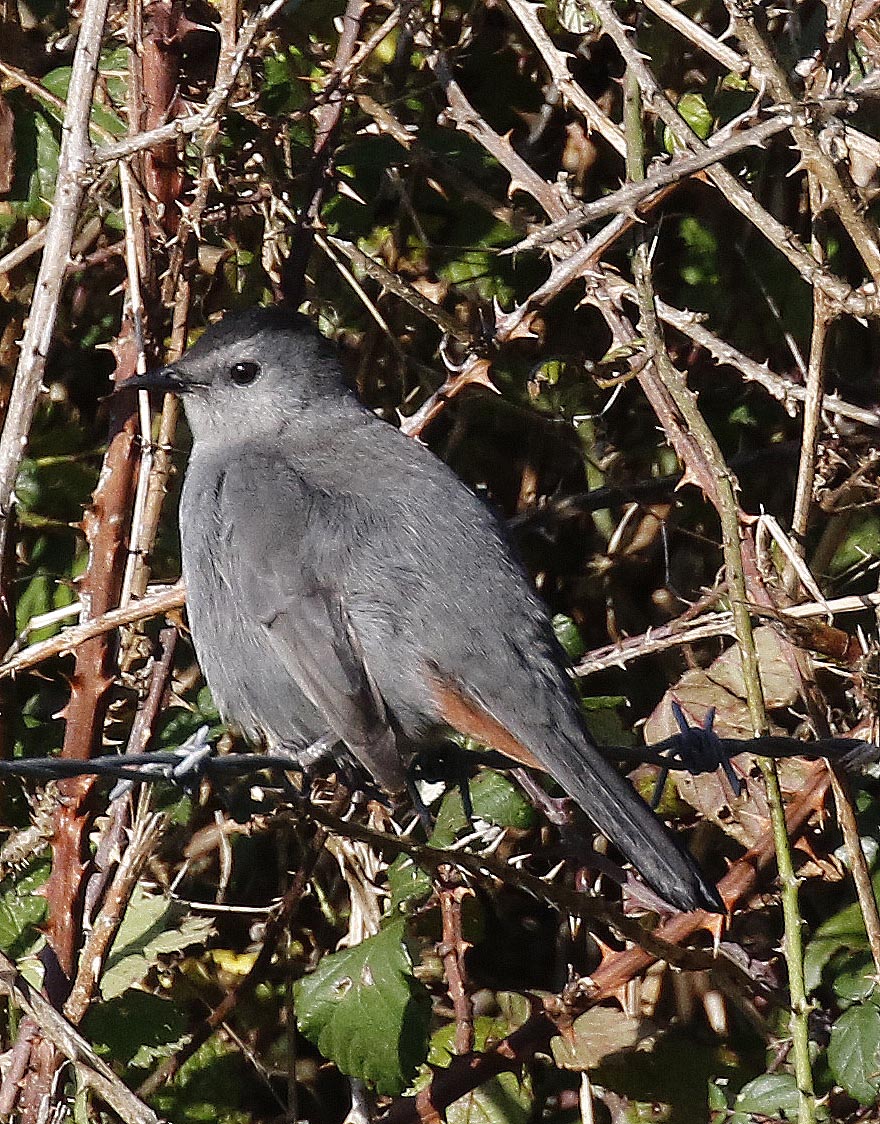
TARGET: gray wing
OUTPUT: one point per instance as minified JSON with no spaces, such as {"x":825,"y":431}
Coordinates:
{"x":282,"y":534}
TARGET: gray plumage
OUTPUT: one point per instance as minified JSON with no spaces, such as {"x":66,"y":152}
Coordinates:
{"x":340,"y":576}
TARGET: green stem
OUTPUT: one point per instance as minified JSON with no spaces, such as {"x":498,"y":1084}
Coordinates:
{"x":725,"y":501}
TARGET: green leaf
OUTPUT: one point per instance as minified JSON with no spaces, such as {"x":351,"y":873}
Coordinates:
{"x":694,"y":110}
{"x":604,"y":722}
{"x":37,"y":148}
{"x":42,"y":594}
{"x":211,"y":1088}
{"x":854,"y":1052}
{"x":184,"y":721}
{"x":860,"y":545}
{"x":136,"y":1029}
{"x":22,"y":909}
{"x":152,"y":926}
{"x":409,"y":883}
{"x":569,"y":636}
{"x":506,"y":1099}
{"x":57,"y":82}
{"x":700,"y":261}
{"x":844,"y":930}
{"x":771,"y":1094}
{"x":855,"y":979}
{"x":717,"y":1098}
{"x":495,"y":799}
{"x":366,"y":1012}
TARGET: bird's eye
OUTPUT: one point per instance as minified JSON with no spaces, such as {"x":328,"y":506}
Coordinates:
{"x":244,"y":373}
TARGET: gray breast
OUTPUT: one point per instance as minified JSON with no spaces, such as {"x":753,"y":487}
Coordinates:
{"x":251,"y":686}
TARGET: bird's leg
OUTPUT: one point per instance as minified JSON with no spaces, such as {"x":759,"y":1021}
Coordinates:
{"x":421,"y":808}
{"x":448,"y":764}
{"x":356,"y":778}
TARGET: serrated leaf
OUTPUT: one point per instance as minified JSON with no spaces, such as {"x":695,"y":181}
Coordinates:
{"x":153,"y":925}
{"x":854,"y":1052}
{"x":771,"y":1094}
{"x":505,"y":1099}
{"x":408,"y":883}
{"x":855,"y":978}
{"x":365,"y":1011}
{"x":495,"y":799}
{"x":136,"y":1029}
{"x":22,"y":909}
{"x":843,"y":930}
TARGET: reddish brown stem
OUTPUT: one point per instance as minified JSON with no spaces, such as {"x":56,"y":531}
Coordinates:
{"x":465,"y":1074}
{"x":103,"y":525}
{"x":452,"y":951}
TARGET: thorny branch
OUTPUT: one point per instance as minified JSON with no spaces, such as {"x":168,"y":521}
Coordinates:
{"x":578,"y":270}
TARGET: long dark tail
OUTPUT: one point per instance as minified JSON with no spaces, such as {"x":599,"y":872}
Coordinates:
{"x":621,"y":815}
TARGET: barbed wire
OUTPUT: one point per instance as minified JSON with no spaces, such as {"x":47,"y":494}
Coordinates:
{"x":695,"y":750}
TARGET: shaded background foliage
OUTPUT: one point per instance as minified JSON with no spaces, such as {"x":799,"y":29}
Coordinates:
{"x":460,"y":132}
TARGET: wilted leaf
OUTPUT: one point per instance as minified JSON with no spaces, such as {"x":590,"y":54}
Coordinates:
{"x":596,"y":1034}
{"x":721,"y":686}
{"x":366,"y":1012}
{"x":778,"y":679}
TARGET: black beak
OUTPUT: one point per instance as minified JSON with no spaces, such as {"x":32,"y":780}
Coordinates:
{"x":168,"y":380}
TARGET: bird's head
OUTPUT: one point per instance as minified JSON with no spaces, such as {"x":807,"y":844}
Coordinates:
{"x":252,"y":370}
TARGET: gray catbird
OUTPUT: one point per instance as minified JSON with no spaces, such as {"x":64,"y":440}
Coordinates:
{"x":340,"y":577}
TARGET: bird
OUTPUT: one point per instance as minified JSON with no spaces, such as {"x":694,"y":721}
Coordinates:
{"x":342,"y":579}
